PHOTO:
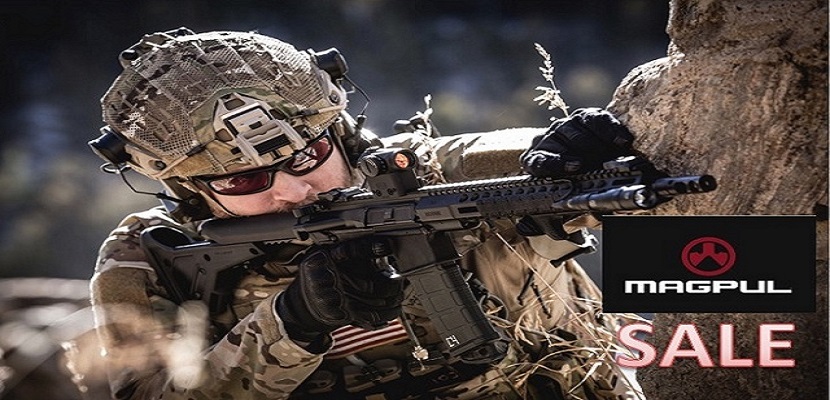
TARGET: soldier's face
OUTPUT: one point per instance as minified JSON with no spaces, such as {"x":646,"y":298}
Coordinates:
{"x":289,"y":191}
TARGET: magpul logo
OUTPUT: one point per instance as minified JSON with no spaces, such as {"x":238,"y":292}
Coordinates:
{"x":691,"y":264}
{"x":708,"y":249}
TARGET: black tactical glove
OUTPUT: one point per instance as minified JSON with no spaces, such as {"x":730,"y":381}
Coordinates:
{"x":582,"y":142}
{"x":338,"y":286}
{"x":579,"y":143}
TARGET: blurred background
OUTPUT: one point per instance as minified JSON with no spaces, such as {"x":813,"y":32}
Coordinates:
{"x":476,"y":58}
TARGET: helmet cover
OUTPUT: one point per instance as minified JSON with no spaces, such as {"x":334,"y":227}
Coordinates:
{"x":212,"y":103}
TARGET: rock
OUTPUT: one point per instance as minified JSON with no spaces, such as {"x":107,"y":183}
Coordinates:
{"x":742,"y":95}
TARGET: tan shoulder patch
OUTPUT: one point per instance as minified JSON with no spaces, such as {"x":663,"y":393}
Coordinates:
{"x":496,"y":154}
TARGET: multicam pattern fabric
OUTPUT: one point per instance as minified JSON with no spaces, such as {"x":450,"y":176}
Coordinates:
{"x":163,"y":101}
{"x":559,"y":340}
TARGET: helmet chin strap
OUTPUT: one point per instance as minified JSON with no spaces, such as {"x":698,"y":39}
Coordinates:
{"x":183,"y":209}
{"x":121,"y":170}
{"x":216,"y":207}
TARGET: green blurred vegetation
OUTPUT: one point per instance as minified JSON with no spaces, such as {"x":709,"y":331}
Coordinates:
{"x":475,"y":57}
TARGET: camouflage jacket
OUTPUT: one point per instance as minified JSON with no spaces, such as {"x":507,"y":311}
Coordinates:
{"x":156,"y":349}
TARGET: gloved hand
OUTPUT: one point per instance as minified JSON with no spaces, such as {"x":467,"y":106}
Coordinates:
{"x":579,"y":143}
{"x":338,"y":286}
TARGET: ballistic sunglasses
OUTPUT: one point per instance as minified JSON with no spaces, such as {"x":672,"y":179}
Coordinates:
{"x":257,"y":180}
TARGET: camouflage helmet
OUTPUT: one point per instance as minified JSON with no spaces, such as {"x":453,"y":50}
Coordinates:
{"x":191,"y":104}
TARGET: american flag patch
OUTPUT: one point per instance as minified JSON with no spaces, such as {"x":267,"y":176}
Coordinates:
{"x":349,"y":339}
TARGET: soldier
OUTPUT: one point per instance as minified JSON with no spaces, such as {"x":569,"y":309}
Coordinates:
{"x":239,"y":124}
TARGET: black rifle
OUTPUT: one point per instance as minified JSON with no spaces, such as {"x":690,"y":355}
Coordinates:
{"x":417,"y":220}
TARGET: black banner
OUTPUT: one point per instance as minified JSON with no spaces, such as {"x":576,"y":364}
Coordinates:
{"x":709,"y":264}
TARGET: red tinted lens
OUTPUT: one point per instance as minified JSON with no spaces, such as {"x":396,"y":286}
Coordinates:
{"x":244,"y":183}
{"x":309,"y":158}
{"x":305,"y":161}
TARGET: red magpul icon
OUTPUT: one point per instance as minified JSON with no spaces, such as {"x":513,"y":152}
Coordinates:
{"x":718,"y":250}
